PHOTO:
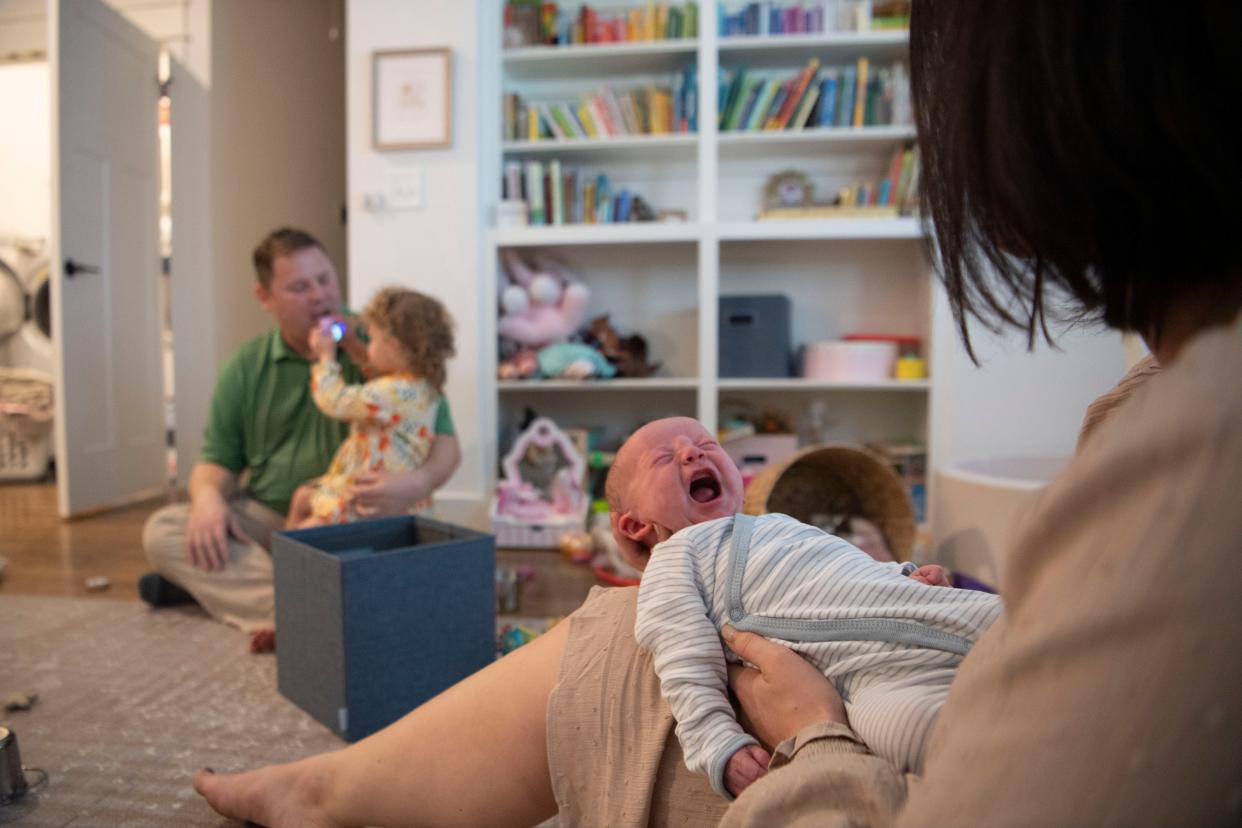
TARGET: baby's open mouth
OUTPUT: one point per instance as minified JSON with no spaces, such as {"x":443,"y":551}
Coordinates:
{"x":704,"y":487}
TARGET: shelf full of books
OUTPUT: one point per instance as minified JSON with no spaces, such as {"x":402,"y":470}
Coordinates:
{"x":856,"y":95}
{"x":531,"y":23}
{"x":605,"y":112}
{"x":774,"y":18}
{"x":607,"y":161}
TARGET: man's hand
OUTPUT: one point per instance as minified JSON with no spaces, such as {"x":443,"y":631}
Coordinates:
{"x":747,"y":764}
{"x":389,"y":493}
{"x":208,"y":529}
{"x":931,"y":575}
{"x":783,"y":693}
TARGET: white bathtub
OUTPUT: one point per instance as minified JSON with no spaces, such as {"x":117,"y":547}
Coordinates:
{"x":976,"y":505}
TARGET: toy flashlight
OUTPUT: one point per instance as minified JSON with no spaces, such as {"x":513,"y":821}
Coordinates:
{"x":333,"y":327}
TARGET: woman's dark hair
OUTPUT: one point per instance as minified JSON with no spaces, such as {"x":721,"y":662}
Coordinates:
{"x":1076,"y":159}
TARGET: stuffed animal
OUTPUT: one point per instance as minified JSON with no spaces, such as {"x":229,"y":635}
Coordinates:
{"x":627,"y":354}
{"x":573,"y":360}
{"x":523,"y":364}
{"x":540,"y":307}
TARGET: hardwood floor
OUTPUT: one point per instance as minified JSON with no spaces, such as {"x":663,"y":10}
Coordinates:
{"x":48,"y":556}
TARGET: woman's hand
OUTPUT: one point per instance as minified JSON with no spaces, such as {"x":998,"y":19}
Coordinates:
{"x":389,"y":493}
{"x":783,"y":693}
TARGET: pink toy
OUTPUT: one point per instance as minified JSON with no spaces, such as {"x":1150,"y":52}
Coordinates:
{"x":541,"y":496}
{"x":539,"y":307}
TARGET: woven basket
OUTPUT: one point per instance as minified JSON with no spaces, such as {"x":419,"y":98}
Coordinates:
{"x":837,"y":480}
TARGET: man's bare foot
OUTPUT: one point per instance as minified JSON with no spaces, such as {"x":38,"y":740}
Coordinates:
{"x":263,"y":640}
{"x":275,"y":797}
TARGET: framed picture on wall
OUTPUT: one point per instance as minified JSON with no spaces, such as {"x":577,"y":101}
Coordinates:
{"x":413,"y":99}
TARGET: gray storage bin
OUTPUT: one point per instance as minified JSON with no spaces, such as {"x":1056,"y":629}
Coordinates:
{"x":376,"y":617}
{"x":754,"y":336}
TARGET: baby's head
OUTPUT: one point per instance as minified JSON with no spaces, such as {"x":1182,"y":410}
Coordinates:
{"x":410,"y":332}
{"x":670,"y":474}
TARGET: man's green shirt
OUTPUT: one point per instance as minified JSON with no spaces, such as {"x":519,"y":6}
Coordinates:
{"x":264,"y":421}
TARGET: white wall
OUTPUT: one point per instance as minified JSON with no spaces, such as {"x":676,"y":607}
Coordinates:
{"x":25,"y":151}
{"x":277,"y":142}
{"x":435,"y":249}
{"x":1016,"y":403}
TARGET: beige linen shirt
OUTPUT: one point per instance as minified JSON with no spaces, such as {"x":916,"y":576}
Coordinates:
{"x":1110,"y":691}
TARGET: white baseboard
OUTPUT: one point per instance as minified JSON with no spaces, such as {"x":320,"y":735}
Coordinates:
{"x":464,"y":509}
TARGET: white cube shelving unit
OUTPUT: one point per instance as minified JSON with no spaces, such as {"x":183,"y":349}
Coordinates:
{"x":663,"y":280}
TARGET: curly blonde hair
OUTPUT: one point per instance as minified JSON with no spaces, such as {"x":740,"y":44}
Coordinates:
{"x":420,"y":325}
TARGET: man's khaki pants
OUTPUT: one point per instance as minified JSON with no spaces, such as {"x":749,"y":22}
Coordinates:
{"x":241,"y":593}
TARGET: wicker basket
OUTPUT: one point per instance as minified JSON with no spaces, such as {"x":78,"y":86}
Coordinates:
{"x":25,"y":423}
{"x":841,"y":480}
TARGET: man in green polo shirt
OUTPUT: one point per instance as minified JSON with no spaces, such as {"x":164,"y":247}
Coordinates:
{"x":264,"y":438}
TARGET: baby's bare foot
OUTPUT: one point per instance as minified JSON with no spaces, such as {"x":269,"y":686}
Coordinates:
{"x":275,"y":797}
{"x":263,"y":640}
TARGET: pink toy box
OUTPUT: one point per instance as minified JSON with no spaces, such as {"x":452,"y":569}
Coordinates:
{"x":541,"y":496}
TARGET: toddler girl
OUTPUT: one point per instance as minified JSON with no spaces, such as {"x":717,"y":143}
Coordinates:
{"x":393,"y":416}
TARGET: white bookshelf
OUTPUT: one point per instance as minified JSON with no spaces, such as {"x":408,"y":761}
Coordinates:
{"x":839,"y":229}
{"x":554,"y":62}
{"x":822,"y":139}
{"x":599,"y":386}
{"x":798,"y":384}
{"x":583,"y":234}
{"x":585,"y":150}
{"x":664,"y":280}
{"x":840,"y":47}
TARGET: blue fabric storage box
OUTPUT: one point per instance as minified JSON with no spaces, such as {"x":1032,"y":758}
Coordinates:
{"x":374,"y":618}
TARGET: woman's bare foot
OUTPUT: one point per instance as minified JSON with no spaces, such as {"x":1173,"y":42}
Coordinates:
{"x":275,"y":797}
{"x":263,"y":640}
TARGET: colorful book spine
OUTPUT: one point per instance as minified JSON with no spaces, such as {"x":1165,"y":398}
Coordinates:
{"x":589,"y":125}
{"x":588,"y":202}
{"x":745,"y":100}
{"x":795,"y":97}
{"x":763,"y":103}
{"x":513,"y":181}
{"x":828,"y":99}
{"x":778,"y":101}
{"x":803,"y":116}
{"x":534,"y":193}
{"x":731,"y":96}
{"x":872,"y":113}
{"x":845,"y":108}
{"x":556,"y":187}
{"x":860,"y":94}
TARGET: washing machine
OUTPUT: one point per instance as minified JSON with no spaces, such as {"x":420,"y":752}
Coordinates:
{"x":25,"y":306}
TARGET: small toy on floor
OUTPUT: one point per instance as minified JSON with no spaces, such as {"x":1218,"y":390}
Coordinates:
{"x":19,"y":701}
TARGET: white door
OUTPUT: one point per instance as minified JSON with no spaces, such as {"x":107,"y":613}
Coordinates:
{"x":106,"y":263}
{"x":191,"y":285}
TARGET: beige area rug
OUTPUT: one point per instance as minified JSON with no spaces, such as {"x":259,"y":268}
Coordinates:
{"x":131,"y":702}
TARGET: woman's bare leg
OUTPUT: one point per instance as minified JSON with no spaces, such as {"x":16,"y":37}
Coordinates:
{"x":474,"y":755}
